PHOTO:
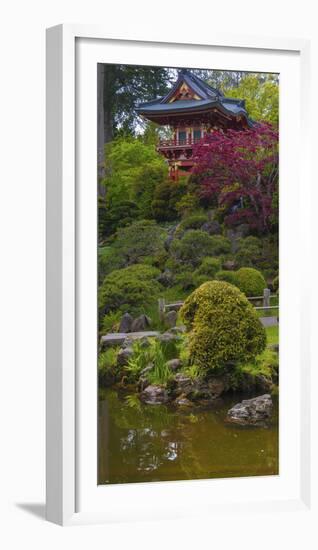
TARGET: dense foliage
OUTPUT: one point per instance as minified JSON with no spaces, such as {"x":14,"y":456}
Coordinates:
{"x":224,"y":327}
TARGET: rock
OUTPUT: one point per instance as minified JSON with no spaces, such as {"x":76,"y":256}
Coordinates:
{"x":212,"y":227}
{"x":180,"y":329}
{"x":250,"y":383}
{"x":125,"y":323}
{"x":252,"y":412}
{"x":112,"y":339}
{"x":166,"y":278}
{"x":142,"y":337}
{"x":142,"y":383}
{"x":216,"y":386}
{"x":199,"y":389}
{"x":124,"y":339}
{"x":142,"y":322}
{"x":182,"y":401}
{"x":183,"y":384}
{"x":230,"y":265}
{"x":154,"y":395}
{"x":167,"y":337}
{"x":124,"y":355}
{"x":174,"y":364}
{"x":171,"y":318}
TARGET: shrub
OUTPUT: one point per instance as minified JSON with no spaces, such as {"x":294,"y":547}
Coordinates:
{"x":110,"y":217}
{"x":249,"y":251}
{"x":196,"y":244}
{"x":224,"y":327}
{"x":140,"y":239}
{"x":188,"y":203}
{"x":275,"y":284}
{"x":220,"y":245}
{"x":185,"y":280}
{"x":165,"y":197}
{"x":227,"y":276}
{"x":209,"y":266}
{"x":250,"y":281}
{"x":195,"y":221}
{"x":129,"y":289}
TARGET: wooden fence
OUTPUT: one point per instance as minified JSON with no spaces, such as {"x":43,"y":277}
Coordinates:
{"x":265,"y":299}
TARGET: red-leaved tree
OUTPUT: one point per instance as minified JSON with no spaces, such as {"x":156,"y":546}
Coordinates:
{"x":237,"y":171}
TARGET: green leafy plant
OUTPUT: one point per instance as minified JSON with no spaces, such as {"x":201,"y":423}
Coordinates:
{"x":160,"y":374}
{"x":139,"y":361}
{"x":107,"y":366}
{"x":133,"y":402}
{"x":194,"y":372}
{"x":110,"y":322}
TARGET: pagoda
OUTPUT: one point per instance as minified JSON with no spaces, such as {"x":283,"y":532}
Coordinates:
{"x":192,"y":109}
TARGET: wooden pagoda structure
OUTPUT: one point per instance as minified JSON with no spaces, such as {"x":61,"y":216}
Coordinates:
{"x":192,"y":109}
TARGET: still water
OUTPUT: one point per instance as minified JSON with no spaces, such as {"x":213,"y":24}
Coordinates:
{"x":140,"y":443}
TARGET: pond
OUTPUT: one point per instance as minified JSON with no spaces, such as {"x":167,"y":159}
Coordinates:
{"x":139,"y":443}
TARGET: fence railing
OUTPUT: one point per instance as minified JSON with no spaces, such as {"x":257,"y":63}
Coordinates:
{"x":265,"y":298}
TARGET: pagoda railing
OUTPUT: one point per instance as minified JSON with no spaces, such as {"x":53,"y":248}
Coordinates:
{"x":178,"y":142}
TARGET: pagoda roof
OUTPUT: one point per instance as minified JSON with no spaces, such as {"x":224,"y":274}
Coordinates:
{"x":203,"y":98}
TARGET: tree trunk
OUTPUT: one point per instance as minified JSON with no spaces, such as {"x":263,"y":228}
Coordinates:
{"x":100,"y":129}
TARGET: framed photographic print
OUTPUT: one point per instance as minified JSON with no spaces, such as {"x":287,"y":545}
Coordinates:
{"x":177,"y":199}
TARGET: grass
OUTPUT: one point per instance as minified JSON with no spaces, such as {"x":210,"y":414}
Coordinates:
{"x":272,"y":334}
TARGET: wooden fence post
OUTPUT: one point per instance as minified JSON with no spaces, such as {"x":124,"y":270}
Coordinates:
{"x":161,"y":303}
{"x":266,"y":297}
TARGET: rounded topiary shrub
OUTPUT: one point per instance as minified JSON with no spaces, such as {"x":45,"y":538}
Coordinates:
{"x":250,"y":281}
{"x":224,"y":327}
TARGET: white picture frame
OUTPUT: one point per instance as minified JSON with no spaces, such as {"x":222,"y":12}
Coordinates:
{"x":72,"y":493}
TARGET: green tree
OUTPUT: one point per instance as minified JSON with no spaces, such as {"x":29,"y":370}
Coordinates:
{"x":261,"y":97}
{"x":133,"y":173}
{"x":121,"y":87}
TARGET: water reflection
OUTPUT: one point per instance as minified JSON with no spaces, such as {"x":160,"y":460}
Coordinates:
{"x":156,"y":443}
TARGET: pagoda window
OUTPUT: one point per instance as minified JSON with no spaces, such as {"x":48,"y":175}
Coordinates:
{"x":197,"y":134}
{"x":182,"y":135}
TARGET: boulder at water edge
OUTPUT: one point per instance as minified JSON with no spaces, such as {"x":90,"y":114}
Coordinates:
{"x":252,"y":412}
{"x":154,"y":395}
